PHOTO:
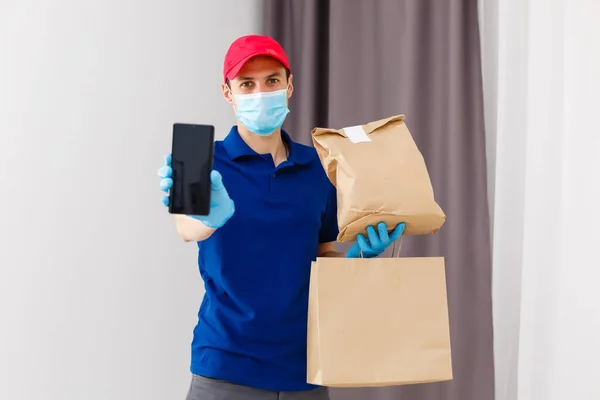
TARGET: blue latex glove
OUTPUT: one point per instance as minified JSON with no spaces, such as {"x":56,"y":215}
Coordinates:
{"x":377,"y":243}
{"x":221,"y":205}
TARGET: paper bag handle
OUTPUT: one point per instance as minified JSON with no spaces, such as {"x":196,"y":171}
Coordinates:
{"x":397,"y":244}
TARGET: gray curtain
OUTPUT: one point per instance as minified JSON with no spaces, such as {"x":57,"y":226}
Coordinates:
{"x":355,"y":61}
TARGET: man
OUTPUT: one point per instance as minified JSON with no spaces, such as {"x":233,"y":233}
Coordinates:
{"x":273,"y":211}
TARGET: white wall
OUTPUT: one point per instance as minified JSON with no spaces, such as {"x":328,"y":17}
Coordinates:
{"x":98,"y":296}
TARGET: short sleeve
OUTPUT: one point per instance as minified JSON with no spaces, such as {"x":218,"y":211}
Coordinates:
{"x":329,"y":223}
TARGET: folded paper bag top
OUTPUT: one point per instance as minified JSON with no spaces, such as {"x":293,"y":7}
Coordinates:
{"x":380,"y":175}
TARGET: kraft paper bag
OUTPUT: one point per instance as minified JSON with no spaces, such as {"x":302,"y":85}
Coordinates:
{"x":378,"y":322}
{"x":380,"y":175}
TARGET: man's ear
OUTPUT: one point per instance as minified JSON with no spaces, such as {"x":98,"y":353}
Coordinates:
{"x":227,"y":93}
{"x":290,"y":86}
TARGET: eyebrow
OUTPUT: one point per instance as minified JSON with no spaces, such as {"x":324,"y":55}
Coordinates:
{"x":250,"y":78}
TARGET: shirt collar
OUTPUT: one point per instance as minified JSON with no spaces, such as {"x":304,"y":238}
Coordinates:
{"x":236,"y":147}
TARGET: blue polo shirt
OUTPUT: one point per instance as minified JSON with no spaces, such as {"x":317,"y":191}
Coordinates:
{"x":252,"y":321}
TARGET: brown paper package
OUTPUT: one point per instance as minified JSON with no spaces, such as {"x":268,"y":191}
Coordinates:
{"x":380,"y":175}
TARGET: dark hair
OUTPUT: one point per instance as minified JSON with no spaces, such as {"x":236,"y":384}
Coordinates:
{"x":287,"y":77}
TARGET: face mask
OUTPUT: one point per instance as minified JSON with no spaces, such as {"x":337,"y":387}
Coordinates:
{"x":262,"y":113}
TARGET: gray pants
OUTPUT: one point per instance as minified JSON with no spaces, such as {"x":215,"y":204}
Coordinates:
{"x":202,"y":388}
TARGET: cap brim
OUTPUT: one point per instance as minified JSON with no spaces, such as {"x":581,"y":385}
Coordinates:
{"x":235,"y":70}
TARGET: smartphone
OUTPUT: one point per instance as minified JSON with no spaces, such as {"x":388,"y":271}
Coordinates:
{"x":192,"y":160}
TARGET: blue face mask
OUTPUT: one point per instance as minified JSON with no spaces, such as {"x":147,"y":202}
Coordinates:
{"x":262,"y":113}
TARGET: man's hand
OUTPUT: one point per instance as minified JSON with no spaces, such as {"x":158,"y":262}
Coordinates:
{"x":376,"y":244}
{"x":221,"y":205}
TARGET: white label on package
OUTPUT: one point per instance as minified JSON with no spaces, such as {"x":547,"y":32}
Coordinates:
{"x":357,"y":134}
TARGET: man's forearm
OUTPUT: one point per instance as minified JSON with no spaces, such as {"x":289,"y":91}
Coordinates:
{"x":333,"y":254}
{"x":192,"y":230}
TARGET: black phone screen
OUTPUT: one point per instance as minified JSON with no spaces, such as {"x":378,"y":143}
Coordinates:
{"x":192,"y":160}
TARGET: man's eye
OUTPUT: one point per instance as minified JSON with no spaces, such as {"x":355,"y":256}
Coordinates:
{"x":247,"y":84}
{"x":273,"y":80}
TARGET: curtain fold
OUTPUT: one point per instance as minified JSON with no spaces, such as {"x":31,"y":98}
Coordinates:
{"x":302,"y":28}
{"x":356,"y":61}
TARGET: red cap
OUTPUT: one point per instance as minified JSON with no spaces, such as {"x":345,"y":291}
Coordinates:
{"x":246,"y":47}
